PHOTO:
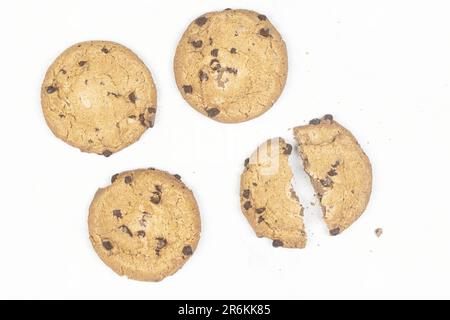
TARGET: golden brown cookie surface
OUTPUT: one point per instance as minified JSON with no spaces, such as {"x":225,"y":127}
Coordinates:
{"x":99,"y":97}
{"x":340,"y":171}
{"x":231,"y":65}
{"x":145,"y":225}
{"x":268,"y":200}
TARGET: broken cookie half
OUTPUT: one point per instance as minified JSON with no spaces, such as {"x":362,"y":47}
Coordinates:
{"x":340,"y":172}
{"x":268,"y":200}
{"x":339,"y":169}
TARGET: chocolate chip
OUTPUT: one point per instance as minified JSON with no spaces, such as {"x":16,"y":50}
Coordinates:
{"x":155,"y":198}
{"x":117,"y":213}
{"x":160,"y":245}
{"x":231,"y":70}
{"x":335,"y":232}
{"x":107,"y":245}
{"x":128,"y":179}
{"x":177,"y":176}
{"x":126,"y":230}
{"x":132,"y":117}
{"x":132,"y":97}
{"x":116,"y":95}
{"x":246,"y":194}
{"x":260,"y":219}
{"x":151,"y":110}
{"x":142,"y":120}
{"x":197,"y":44}
{"x":233,"y":50}
{"x":336,"y":164}
{"x":260,"y":210}
{"x":51,"y":89}
{"x":107,"y":153}
{"x":327,"y":182}
{"x":143,"y":220}
{"x":247,"y":205}
{"x":328,"y":117}
{"x":294,"y":195}
{"x":203,"y":76}
{"x":97,"y":129}
{"x":82,"y":63}
{"x":63,"y":71}
{"x":264,"y":32}
{"x":211,"y":41}
{"x":262,"y":17}
{"x":141,"y":234}
{"x":332,"y":173}
{"x":188,"y":89}
{"x":158,"y":188}
{"x":215,"y":52}
{"x":246,"y":162}
{"x":315,"y":121}
{"x":150,"y":124}
{"x":215,"y":64}
{"x":201,"y":21}
{"x":187,"y":251}
{"x":212,"y":112}
{"x":227,"y":9}
{"x":105,"y":51}
{"x":287,"y":149}
{"x":277,"y":243}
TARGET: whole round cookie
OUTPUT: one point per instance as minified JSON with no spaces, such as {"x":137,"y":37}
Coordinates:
{"x":231,"y":65}
{"x":99,"y":97}
{"x":145,"y":225}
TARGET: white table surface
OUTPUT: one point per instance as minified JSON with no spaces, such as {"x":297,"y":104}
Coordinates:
{"x":382,"y":68}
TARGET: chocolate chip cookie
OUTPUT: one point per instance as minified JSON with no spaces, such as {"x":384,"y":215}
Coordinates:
{"x":268,"y":200}
{"x":231,"y":65}
{"x":145,"y":225}
{"x":340,"y":171}
{"x":99,"y":97}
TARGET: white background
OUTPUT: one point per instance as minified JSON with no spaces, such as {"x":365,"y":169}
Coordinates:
{"x":382,"y":68}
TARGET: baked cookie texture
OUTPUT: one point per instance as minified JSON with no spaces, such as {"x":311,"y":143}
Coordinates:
{"x":231,"y":65}
{"x":340,"y":171}
{"x":99,"y":96}
{"x":145,"y":225}
{"x":268,"y":200}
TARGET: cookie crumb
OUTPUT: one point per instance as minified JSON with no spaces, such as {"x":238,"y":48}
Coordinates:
{"x":379,"y":232}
